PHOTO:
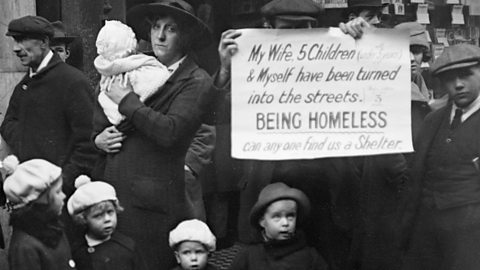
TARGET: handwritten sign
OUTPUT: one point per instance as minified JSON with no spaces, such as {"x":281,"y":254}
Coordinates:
{"x":311,"y":93}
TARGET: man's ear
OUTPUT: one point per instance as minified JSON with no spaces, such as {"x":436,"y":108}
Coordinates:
{"x":177,"y":256}
{"x":261,"y":222}
{"x":352,"y":16}
{"x":46,"y":42}
{"x":67,"y":53}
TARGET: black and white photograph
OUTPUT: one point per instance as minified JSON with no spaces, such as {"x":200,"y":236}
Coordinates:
{"x":240,"y":134}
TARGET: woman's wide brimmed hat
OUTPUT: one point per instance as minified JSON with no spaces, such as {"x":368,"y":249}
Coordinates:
{"x":137,"y":15}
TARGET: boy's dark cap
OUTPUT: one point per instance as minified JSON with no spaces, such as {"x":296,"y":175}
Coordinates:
{"x":365,"y":3}
{"x":59,"y":33}
{"x":29,"y":26}
{"x":298,"y":10}
{"x":455,"y":57}
{"x":275,"y":192}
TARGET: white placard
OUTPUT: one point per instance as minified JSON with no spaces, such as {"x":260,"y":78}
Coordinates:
{"x":311,"y":93}
{"x":457,"y":15}
{"x":422,"y":14}
{"x":399,"y":9}
{"x":441,"y":35}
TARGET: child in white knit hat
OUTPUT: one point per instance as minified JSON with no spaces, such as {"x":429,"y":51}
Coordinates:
{"x":95,"y":206}
{"x":34,"y":190}
{"x":192,"y":242}
{"x":116,"y":46}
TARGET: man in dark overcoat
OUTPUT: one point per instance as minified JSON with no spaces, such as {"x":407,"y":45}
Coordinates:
{"x":320,"y":179}
{"x":49,"y":114}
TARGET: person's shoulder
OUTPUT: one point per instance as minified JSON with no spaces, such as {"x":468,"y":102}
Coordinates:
{"x":73,"y":71}
{"x":211,"y":267}
{"x":63,"y":71}
{"x":195,"y":70}
{"x":123,"y":241}
{"x":440,"y":113}
{"x":22,"y":241}
{"x":313,"y":258}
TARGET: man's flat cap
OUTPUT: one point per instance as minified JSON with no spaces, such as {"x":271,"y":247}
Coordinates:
{"x":298,"y":10}
{"x":30,"y":26}
{"x":455,"y":57}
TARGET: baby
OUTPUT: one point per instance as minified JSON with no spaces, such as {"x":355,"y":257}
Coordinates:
{"x":116,"y":46}
{"x":192,"y":242}
{"x":95,"y":206}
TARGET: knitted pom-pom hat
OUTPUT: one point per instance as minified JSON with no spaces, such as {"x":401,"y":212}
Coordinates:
{"x":27,"y":181}
{"x":192,"y":230}
{"x":89,"y":193}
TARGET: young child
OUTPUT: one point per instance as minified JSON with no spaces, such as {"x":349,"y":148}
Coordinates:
{"x":34,"y":191}
{"x":95,"y":206}
{"x":192,"y":242}
{"x":117,"y":59}
{"x":275,"y":216}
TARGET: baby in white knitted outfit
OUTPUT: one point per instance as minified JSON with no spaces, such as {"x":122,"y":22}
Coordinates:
{"x":116,"y":46}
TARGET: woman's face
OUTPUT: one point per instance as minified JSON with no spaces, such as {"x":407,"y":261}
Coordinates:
{"x":166,"y":40}
{"x":416,"y":56}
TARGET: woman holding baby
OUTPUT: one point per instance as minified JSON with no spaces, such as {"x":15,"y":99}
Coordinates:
{"x":145,"y":151}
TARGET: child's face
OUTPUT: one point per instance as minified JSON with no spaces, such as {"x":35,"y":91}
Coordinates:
{"x":279,"y":220}
{"x":191,"y":255}
{"x":56,"y":197}
{"x":101,"y":220}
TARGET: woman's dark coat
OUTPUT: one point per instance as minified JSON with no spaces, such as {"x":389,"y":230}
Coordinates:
{"x":148,"y":172}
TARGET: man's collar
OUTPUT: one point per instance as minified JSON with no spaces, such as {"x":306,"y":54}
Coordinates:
{"x":467,"y":111}
{"x":42,"y":65}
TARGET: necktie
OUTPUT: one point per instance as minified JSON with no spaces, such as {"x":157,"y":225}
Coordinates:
{"x":457,"y":119}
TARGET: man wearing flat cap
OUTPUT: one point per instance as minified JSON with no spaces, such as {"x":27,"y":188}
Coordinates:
{"x":50,"y":111}
{"x":446,"y":174}
{"x":361,"y":14}
{"x":311,"y":176}
{"x":147,"y":165}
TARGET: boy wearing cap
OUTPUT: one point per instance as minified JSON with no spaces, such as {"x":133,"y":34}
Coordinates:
{"x":49,"y":115}
{"x":192,"y":242}
{"x":61,"y":40}
{"x":94,"y":205}
{"x":446,"y":188}
{"x":275,"y":216}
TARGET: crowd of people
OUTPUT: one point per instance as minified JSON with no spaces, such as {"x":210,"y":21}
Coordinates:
{"x":125,"y":158}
